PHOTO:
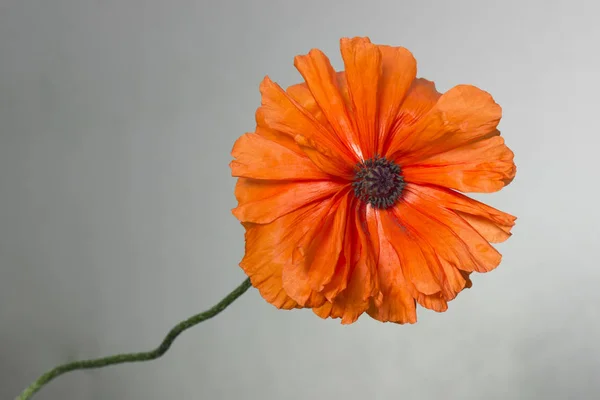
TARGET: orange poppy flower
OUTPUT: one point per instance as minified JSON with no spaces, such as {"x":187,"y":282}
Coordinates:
{"x":348,"y":188}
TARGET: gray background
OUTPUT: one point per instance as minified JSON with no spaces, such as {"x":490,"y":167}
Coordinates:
{"x":116,"y":122}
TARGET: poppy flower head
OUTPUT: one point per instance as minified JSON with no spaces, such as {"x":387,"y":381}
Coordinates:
{"x":349,"y":187}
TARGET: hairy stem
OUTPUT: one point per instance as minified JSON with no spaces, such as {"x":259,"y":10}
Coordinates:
{"x":136,"y":357}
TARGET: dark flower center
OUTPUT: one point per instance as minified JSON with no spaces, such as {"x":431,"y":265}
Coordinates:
{"x":378,"y":182}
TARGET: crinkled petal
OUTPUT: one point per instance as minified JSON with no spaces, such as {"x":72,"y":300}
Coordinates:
{"x":456,"y":280}
{"x":323,"y":252}
{"x":322,"y":81}
{"x":264,"y":274}
{"x":363,"y":64}
{"x":347,"y":259}
{"x":435,"y":278}
{"x":422,"y":96}
{"x":484,"y":166}
{"x":435,"y":302}
{"x":400,"y":93}
{"x":451,"y":236}
{"x":281,"y":113}
{"x":276,"y":136}
{"x":259,"y":158}
{"x":296,"y":284}
{"x":344,"y":307}
{"x":461,"y":116}
{"x":362,"y":284}
{"x":295,"y":275}
{"x":441,"y":243}
{"x":494,"y":225}
{"x":419,"y":266}
{"x":322,"y":157}
{"x":396,"y":303}
{"x":263,"y":201}
{"x":352,"y":254}
{"x":269,"y":247}
{"x":302,"y":95}
{"x":407,"y":285}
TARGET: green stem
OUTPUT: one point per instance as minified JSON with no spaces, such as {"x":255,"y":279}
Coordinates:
{"x":136,"y":357}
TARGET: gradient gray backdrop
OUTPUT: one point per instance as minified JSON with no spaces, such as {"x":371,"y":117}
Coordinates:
{"x":116,"y":122}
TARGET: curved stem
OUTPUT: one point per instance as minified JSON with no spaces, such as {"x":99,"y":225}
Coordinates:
{"x":136,"y":357}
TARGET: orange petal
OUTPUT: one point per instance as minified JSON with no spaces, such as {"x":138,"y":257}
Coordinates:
{"x":342,"y":84}
{"x":490,"y":231}
{"x":435,"y":262}
{"x":456,"y":280}
{"x":402,"y":291}
{"x":264,"y":275}
{"x":269,"y":247}
{"x":349,"y":258}
{"x":363,"y":282}
{"x":452,"y":238}
{"x":264,"y":201}
{"x":273,"y":135}
{"x":322,"y":157}
{"x":494,"y":225}
{"x":296,"y":284}
{"x":323,"y":252}
{"x":484,"y":166}
{"x":322,"y":82}
{"x":281,"y":113}
{"x":461,"y":116}
{"x":397,"y":304}
{"x":435,"y":302}
{"x":259,"y":158}
{"x":302,"y":95}
{"x":362,"y":61}
{"x":451,"y":279}
{"x":295,"y":273}
{"x":342,"y":307}
{"x":403,"y":229}
{"x":422,"y":96}
{"x":346,"y":260}
{"x":399,"y":92}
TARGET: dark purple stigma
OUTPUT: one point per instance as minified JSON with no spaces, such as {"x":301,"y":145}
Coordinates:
{"x":378,"y":182}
